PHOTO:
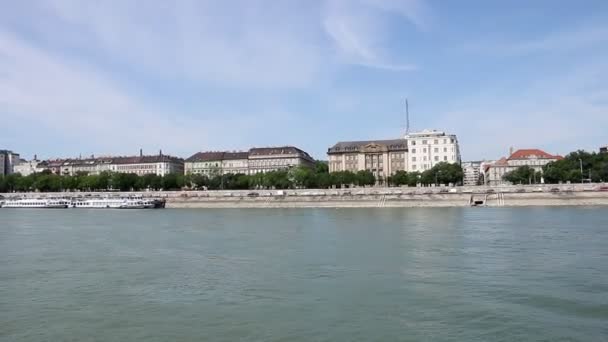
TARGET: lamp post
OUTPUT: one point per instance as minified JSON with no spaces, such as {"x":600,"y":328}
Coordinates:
{"x":581,"y":164}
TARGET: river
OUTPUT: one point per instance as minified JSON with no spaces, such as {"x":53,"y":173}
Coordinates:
{"x":401,"y":274}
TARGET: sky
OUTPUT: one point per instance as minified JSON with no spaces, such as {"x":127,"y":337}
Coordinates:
{"x":110,"y":77}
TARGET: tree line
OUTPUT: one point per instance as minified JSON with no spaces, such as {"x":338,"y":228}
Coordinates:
{"x":295,"y":178}
{"x":594,"y":169}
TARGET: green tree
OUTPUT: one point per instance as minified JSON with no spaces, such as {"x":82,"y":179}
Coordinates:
{"x":399,"y":178}
{"x":522,"y":175}
{"x":364,"y":177}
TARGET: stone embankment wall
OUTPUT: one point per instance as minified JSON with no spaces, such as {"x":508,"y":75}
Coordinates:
{"x":575,"y":194}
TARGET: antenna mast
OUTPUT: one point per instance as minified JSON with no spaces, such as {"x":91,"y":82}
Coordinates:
{"x":407,"y":118}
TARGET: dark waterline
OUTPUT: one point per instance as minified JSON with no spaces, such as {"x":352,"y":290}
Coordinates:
{"x":456,"y":274}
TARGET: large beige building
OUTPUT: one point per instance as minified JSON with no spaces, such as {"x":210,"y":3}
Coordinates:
{"x":381,"y":157}
{"x":159,"y":165}
{"x":217,"y":163}
{"x":256,"y":160}
{"x":141,"y":165}
{"x":417,"y":151}
{"x":534,"y":158}
{"x":265,"y":159}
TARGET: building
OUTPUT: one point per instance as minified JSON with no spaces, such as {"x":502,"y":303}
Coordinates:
{"x":26,"y":168}
{"x":417,"y":151}
{"x":472,"y":173}
{"x":159,"y":165}
{"x":381,"y":157}
{"x":8,"y":159}
{"x":533,"y":158}
{"x":256,"y":160}
{"x":604,"y":149}
{"x":266,"y":159}
{"x":217,"y":163}
{"x":91,"y":166}
{"x":141,"y":165}
{"x":429,"y":147}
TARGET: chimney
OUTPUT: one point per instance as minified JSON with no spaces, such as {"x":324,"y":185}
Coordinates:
{"x":35,"y":157}
{"x":160,"y":152}
{"x":510,"y":151}
{"x":141,"y":152}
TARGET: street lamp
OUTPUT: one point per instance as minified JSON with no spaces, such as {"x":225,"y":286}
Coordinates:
{"x":581,"y":163}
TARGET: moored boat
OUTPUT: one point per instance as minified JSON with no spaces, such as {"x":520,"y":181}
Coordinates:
{"x":40,"y":203}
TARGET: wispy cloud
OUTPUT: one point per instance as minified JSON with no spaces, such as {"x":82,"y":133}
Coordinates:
{"x":560,"y":113}
{"x":557,"y":41}
{"x":70,"y":99}
{"x":359,"y":29}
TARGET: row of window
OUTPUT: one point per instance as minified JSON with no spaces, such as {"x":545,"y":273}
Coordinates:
{"x":435,"y":142}
{"x":436,"y":150}
{"x":445,"y":158}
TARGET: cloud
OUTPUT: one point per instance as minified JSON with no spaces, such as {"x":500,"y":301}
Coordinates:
{"x":358,"y":29}
{"x":69,"y":99}
{"x":559,"y":113}
{"x":88,"y":74}
{"x":571,"y":39}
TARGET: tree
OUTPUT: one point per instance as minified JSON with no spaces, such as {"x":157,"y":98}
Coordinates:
{"x":399,"y":178}
{"x":522,"y":175}
{"x":363,"y":178}
{"x":443,"y":173}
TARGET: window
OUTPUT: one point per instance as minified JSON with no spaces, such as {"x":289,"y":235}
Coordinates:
{"x":436,"y":150}
{"x":424,"y":158}
{"x":423,"y":142}
{"x":413,"y":142}
{"x":436,"y":158}
{"x":445,"y":149}
{"x":445,"y":141}
{"x":413,"y":159}
{"x":424,"y":150}
{"x":436,"y":142}
{"x":445,"y":158}
{"x":413,"y":150}
{"x":414,"y":167}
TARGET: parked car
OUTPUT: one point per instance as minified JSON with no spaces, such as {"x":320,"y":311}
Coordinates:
{"x":554,"y":190}
{"x":602,"y":188}
{"x":520,"y":190}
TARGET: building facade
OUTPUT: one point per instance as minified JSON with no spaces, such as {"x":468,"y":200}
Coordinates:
{"x":430,"y":147}
{"x":381,"y":157}
{"x":8,"y":160}
{"x":159,"y":165}
{"x":26,"y":168}
{"x":604,"y":149}
{"x":416,"y":152}
{"x":534,"y":158}
{"x":266,"y":159}
{"x":472,"y":173}
{"x":256,"y":160}
{"x":90,"y":166}
{"x":212,"y":164}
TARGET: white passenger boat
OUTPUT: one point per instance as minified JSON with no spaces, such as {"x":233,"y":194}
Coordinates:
{"x":113,"y":203}
{"x":43,"y":203}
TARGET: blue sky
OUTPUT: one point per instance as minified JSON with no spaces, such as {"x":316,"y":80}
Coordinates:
{"x":111,"y":77}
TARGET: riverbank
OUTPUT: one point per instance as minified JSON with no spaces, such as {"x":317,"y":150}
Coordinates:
{"x":548,"y":195}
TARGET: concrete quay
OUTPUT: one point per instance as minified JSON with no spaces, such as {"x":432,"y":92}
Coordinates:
{"x":529,"y":195}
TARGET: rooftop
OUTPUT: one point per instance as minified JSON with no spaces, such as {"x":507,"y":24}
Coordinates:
{"x":355,"y":146}
{"x":279,"y":150}
{"x":215,"y":156}
{"x":532,"y":154}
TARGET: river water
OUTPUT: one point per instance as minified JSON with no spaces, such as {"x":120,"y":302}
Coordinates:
{"x":420,"y":274}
